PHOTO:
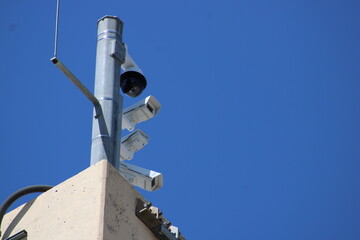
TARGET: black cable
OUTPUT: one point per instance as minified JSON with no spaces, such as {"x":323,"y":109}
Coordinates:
{"x":16,"y":195}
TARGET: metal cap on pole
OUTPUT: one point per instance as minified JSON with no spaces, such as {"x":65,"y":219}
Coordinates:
{"x":110,"y":55}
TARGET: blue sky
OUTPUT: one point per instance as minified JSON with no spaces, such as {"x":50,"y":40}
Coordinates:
{"x":258,"y":136}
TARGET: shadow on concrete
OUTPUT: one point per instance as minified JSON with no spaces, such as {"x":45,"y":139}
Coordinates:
{"x":17,"y":219}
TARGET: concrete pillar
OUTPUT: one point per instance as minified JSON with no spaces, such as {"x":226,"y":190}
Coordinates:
{"x":96,"y":204}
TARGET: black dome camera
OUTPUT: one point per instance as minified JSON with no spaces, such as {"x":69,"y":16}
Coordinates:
{"x":132,"y":83}
{"x":132,"y":80}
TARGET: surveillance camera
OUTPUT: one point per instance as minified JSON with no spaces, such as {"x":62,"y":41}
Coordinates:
{"x":132,"y":83}
{"x":132,"y":143}
{"x":175,"y":231}
{"x":144,"y":178}
{"x":139,"y":112}
{"x":132,"y":80}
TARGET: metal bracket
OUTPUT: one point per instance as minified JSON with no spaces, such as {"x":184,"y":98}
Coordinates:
{"x":78,"y":84}
{"x":152,"y":217}
{"x":67,"y":72}
{"x":117,"y":50}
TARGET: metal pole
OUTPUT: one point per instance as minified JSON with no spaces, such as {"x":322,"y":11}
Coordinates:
{"x":110,"y":54}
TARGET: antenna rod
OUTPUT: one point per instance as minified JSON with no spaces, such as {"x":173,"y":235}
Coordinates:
{"x":56,"y":26}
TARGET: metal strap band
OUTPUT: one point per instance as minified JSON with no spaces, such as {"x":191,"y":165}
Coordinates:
{"x":101,"y":136}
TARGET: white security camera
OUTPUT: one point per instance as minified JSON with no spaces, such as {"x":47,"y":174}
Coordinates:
{"x":144,"y":178}
{"x":132,"y":143}
{"x":176,"y":232}
{"x":132,"y":80}
{"x":139,"y":112}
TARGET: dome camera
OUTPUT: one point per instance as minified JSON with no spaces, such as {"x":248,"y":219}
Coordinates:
{"x":132,"y":83}
{"x":132,"y":80}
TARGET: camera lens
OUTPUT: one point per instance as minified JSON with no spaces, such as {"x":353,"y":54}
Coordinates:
{"x":132,"y":83}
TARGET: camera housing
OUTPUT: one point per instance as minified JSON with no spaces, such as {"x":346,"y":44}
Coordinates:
{"x":140,"y":112}
{"x":132,"y":143}
{"x":141,"y":177}
{"x":132,"y":80}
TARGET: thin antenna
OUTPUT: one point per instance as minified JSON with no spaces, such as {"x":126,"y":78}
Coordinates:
{"x":56,"y":26}
{"x":67,"y":72}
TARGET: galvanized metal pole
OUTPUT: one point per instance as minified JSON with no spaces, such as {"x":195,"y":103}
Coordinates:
{"x":110,"y":54}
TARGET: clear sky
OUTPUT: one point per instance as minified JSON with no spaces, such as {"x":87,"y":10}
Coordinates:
{"x":258,"y":136}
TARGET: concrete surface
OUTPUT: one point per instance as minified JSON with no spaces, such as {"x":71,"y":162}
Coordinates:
{"x":97,"y":203}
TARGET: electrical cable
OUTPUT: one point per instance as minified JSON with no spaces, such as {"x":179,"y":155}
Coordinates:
{"x":16,"y":195}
